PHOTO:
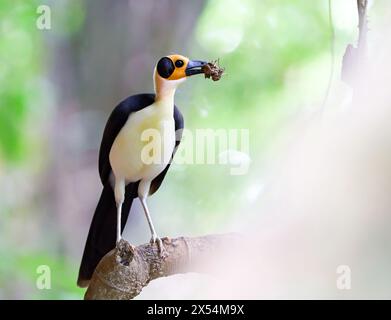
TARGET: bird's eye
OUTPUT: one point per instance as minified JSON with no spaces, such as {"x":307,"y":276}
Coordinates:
{"x":179,"y":63}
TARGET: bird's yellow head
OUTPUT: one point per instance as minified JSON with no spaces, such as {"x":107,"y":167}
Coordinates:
{"x":175,"y":67}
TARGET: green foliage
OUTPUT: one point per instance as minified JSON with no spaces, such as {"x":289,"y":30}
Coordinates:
{"x":20,"y":67}
{"x":272,"y":37}
{"x":18,"y":272}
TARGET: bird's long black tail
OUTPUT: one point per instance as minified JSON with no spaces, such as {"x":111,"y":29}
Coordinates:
{"x":102,"y":235}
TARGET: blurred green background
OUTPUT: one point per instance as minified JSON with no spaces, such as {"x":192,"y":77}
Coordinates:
{"x":58,"y":86}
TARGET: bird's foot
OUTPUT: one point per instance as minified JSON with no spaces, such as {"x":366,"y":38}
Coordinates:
{"x":162,"y":251}
{"x":124,"y":252}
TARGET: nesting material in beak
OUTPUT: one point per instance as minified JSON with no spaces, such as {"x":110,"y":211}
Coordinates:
{"x":213,"y":70}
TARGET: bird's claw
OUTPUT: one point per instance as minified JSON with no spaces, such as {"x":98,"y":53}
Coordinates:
{"x":162,"y":251}
{"x":119,"y":241}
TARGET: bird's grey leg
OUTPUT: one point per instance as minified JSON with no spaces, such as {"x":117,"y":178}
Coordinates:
{"x":143,"y":191}
{"x":149,"y":219}
{"x":119,"y":193}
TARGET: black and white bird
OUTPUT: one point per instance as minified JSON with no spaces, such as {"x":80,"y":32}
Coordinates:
{"x":139,"y":141}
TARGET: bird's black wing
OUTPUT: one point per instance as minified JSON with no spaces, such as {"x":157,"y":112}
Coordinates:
{"x":114,"y":124}
{"x":117,"y":120}
{"x":179,"y":124}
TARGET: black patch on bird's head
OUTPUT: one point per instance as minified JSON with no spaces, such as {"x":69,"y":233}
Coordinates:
{"x":165,"y":67}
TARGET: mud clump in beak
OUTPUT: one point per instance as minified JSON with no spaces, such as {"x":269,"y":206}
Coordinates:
{"x":213,"y":70}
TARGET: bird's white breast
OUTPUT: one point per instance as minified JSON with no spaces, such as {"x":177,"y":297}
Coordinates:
{"x":144,"y":146}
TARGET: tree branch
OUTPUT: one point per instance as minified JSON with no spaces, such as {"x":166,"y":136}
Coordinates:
{"x":362,"y":25}
{"x":126,"y":270}
{"x":355,"y":57}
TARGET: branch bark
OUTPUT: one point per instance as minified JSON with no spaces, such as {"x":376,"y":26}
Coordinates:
{"x":355,"y":58}
{"x":126,"y":270}
{"x":362,"y":6}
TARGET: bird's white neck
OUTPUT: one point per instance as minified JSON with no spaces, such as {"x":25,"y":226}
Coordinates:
{"x":164,"y":94}
{"x":165,"y":91}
